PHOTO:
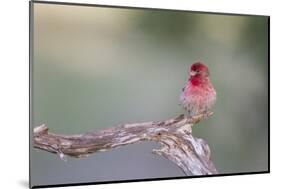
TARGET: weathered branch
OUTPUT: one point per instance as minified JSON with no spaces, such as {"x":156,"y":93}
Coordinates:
{"x":191,"y":154}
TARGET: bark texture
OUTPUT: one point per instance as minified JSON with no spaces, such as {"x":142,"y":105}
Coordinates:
{"x":178,"y":144}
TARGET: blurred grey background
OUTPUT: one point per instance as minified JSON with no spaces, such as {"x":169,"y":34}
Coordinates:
{"x":96,"y":68}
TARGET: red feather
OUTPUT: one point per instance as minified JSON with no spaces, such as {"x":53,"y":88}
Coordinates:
{"x":199,"y":95}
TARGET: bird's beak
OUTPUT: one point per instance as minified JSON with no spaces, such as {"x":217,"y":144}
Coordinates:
{"x":192,"y":73}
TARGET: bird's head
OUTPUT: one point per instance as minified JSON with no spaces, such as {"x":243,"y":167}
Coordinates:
{"x":198,"y":69}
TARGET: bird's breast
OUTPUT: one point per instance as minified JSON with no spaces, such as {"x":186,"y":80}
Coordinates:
{"x":199,"y":96}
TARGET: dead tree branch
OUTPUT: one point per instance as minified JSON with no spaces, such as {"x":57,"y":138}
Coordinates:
{"x":191,"y":154}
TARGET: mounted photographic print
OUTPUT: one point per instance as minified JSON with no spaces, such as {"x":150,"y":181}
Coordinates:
{"x":122,"y":94}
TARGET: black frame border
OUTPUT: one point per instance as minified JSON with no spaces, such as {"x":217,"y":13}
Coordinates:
{"x":31,"y":50}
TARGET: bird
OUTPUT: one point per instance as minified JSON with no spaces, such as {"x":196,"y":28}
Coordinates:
{"x":198,"y":96}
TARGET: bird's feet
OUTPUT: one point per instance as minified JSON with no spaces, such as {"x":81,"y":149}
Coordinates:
{"x":197,"y":118}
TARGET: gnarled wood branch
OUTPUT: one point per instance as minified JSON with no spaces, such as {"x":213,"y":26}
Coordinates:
{"x":191,"y":154}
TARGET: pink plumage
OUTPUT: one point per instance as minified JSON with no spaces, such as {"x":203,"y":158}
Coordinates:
{"x":199,"y":95}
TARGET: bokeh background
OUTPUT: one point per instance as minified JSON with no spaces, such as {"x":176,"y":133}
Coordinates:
{"x":97,"y":67}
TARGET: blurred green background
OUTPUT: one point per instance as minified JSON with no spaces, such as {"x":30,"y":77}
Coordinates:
{"x":96,"y":68}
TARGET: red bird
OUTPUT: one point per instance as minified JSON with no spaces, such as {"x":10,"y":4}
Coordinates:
{"x":199,"y":95}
